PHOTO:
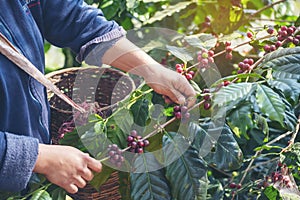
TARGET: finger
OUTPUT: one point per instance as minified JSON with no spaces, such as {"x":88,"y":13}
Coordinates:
{"x":80,"y":182}
{"x":187,"y":91}
{"x":72,"y":188}
{"x":94,"y":164}
{"x":87,"y":174}
{"x":190,"y":101}
{"x":176,"y":97}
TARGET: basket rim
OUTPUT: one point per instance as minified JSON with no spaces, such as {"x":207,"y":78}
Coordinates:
{"x":65,"y":70}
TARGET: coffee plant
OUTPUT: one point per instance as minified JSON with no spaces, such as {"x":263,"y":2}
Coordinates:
{"x":239,"y":141}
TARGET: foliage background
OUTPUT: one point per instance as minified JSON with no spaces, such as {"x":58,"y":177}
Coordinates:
{"x":255,"y":134}
{"x":186,"y":17}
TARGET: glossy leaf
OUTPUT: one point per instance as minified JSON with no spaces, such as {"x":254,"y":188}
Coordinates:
{"x":124,"y":120}
{"x":101,"y":178}
{"x":270,"y":103}
{"x":240,"y":120}
{"x":187,"y":172}
{"x":58,"y":194}
{"x":148,"y":185}
{"x":181,"y":53}
{"x":270,"y":193}
{"x":94,"y":142}
{"x":284,"y":62}
{"x":41,"y":195}
{"x":202,"y":40}
{"x":225,"y":154}
{"x":115,"y":134}
{"x":222,"y":149}
{"x":232,"y":93}
{"x":289,"y":87}
{"x":285,"y":75}
{"x":140,"y":111}
{"x":170,"y":10}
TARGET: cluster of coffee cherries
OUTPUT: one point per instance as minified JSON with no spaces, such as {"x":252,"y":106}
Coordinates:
{"x":245,"y":65}
{"x":181,"y":69}
{"x":228,"y":50}
{"x":205,"y":58}
{"x":279,"y":177}
{"x":136,"y":142}
{"x":115,"y":155}
{"x":234,"y":185}
{"x":181,"y":112}
{"x":285,"y":35}
{"x":207,"y":99}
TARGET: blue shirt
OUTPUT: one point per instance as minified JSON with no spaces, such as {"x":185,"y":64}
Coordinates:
{"x":24,"y":109}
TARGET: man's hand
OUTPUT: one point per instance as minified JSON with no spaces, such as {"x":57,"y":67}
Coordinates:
{"x":66,"y":166}
{"x":128,"y":57}
{"x":171,"y":84}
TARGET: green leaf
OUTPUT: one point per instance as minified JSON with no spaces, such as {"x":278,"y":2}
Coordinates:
{"x":187,"y":172}
{"x":289,"y":87}
{"x":110,"y":9}
{"x":202,"y":40}
{"x":270,"y":193}
{"x":270,"y":103}
{"x":284,"y":62}
{"x":115,"y":134}
{"x":41,"y":195}
{"x":47,"y":46}
{"x":124,"y":120}
{"x":230,"y":37}
{"x":181,"y":53}
{"x":240,"y":120}
{"x":226,"y":154}
{"x":170,"y":10}
{"x":232,"y":93}
{"x":140,"y":111}
{"x":223,"y":150}
{"x":147,"y":184}
{"x":58,"y":194}
{"x":94,"y":142}
{"x":285,"y":75}
{"x":101,"y":178}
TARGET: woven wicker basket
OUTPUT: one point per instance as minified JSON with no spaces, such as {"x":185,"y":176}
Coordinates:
{"x":106,"y":86}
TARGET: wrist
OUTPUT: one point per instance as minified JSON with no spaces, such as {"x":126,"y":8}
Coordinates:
{"x":41,"y":162}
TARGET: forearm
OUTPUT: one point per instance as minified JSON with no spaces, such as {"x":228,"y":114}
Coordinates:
{"x":126,"y":56}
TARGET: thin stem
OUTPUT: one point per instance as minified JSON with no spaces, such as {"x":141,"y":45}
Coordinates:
{"x":292,"y":140}
{"x":274,"y":20}
{"x":266,"y":7}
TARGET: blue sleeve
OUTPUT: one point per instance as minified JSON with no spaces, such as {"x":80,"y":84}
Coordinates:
{"x":18,"y":157}
{"x":74,"y":24}
{"x":2,"y":148}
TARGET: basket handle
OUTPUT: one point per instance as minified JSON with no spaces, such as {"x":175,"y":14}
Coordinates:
{"x":8,"y":50}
